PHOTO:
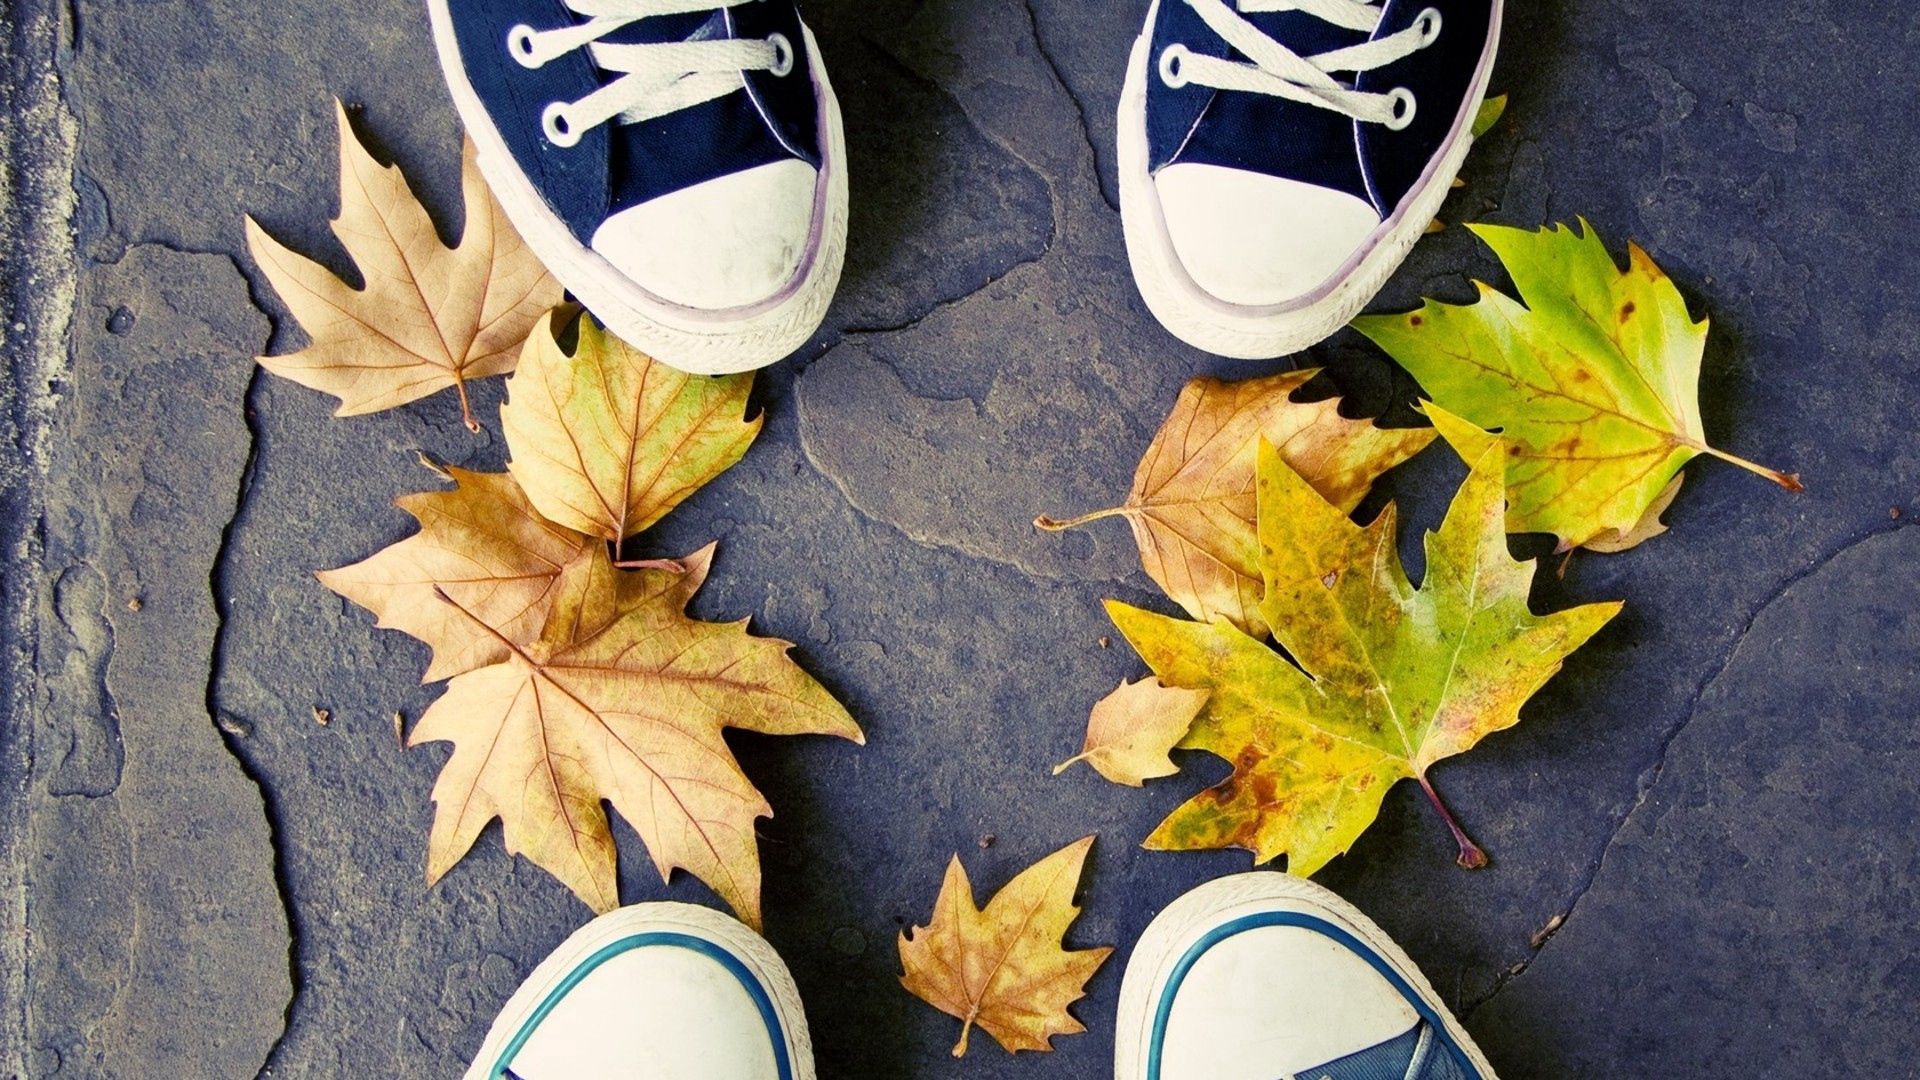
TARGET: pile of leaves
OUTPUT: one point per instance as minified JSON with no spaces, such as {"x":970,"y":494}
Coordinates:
{"x":574,"y":678}
{"x":1311,"y":662}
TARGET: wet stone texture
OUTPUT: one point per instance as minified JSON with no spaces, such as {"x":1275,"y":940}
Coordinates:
{"x":1714,"y":799}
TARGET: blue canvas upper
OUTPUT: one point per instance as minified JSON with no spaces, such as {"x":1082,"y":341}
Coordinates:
{"x":1416,"y":1054}
{"x":1278,"y":137}
{"x":616,"y":165}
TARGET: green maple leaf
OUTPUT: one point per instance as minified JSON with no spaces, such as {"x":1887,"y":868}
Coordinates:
{"x":1593,"y":382}
{"x":1386,"y":679}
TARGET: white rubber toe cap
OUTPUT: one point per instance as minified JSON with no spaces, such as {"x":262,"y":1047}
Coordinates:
{"x":731,"y":242}
{"x":1277,"y":1001}
{"x":1256,"y":240}
{"x":662,"y":1012}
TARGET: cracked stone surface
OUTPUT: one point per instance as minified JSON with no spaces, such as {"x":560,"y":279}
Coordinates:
{"x":1711,"y":794}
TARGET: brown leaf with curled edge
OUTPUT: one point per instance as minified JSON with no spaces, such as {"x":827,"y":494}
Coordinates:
{"x":1133,"y":730}
{"x":606,"y":439}
{"x":1005,"y":968}
{"x":619,"y":698}
{"x":430,"y":316}
{"x":1192,"y":504}
{"x":1646,"y":529}
{"x":486,"y":548}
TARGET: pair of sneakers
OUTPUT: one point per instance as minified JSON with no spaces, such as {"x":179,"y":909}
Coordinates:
{"x":680,"y":165}
{"x":1259,"y":976}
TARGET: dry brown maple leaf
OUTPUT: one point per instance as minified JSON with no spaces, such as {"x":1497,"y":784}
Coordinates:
{"x":606,"y":439}
{"x":1192,"y":503}
{"x":1132,"y":730}
{"x":486,"y":548}
{"x":620,"y":698}
{"x":1005,"y":968}
{"x":430,"y":316}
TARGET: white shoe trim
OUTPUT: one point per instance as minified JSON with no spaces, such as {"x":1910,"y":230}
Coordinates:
{"x":1188,"y":920}
{"x":1247,"y":332}
{"x":729,"y":934}
{"x":700,"y":341}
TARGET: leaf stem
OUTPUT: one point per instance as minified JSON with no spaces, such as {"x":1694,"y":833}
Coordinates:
{"x":1471,"y":857}
{"x":1790,"y":481}
{"x":966,"y":1029}
{"x":1051,"y":525}
{"x":466,"y":406}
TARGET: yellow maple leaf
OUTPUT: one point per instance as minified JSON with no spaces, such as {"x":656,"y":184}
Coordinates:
{"x":621,"y":697}
{"x":1005,"y":968}
{"x":429,"y":316}
{"x":1192,"y":503}
{"x":1379,"y":681}
{"x":606,"y":439}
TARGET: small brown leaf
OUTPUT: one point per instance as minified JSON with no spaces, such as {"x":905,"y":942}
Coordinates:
{"x":429,"y":316}
{"x":1005,"y":968}
{"x":1192,"y":503}
{"x":1133,"y":729}
{"x":1648,"y":527}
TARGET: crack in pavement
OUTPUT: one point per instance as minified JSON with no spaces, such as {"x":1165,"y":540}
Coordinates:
{"x":1079,"y":106}
{"x":1650,"y":776}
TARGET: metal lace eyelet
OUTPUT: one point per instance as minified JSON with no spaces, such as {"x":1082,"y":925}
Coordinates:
{"x":520,"y":46}
{"x":1402,"y":106}
{"x":1429,"y":23}
{"x":1173,"y":66}
{"x":558,"y":125}
{"x":782,"y":54}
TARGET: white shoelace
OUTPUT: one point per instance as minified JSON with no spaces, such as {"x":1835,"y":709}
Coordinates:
{"x":655,"y":79}
{"x":1279,"y":71}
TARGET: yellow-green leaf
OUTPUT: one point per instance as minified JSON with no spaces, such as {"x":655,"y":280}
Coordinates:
{"x":1131,"y":731}
{"x":606,"y":440}
{"x":1385,"y":679}
{"x":1005,"y":969}
{"x":1593,"y":382}
{"x":1491,"y":110}
{"x":1192,"y":505}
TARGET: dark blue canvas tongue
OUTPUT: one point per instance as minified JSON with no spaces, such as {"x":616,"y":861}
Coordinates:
{"x":690,"y":26}
{"x":715,"y":138}
{"x":1415,"y":1054}
{"x":1255,"y":132}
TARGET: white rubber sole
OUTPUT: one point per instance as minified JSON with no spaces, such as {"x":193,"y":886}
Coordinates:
{"x":1188,"y":919}
{"x":750,"y":948}
{"x":700,"y":341}
{"x":1205,"y":321}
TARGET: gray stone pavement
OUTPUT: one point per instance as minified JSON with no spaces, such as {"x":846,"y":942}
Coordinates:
{"x":1717,"y":796}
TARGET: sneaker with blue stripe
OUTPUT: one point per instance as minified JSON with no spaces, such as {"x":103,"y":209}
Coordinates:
{"x":1266,"y":976}
{"x":658,"y":991}
{"x":678,"y":164}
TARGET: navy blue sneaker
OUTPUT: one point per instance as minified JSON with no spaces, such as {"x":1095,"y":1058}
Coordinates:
{"x":678,"y":164}
{"x":1278,"y":158}
{"x":662,"y":991}
{"x":1266,"y":975}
